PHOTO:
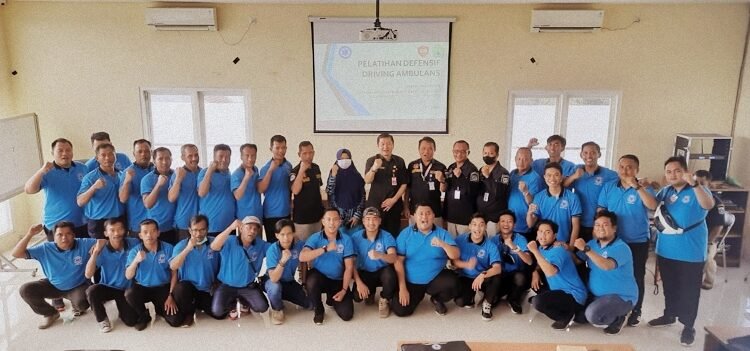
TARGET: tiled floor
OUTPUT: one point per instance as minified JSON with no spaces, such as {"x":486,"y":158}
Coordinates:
{"x":727,"y":304}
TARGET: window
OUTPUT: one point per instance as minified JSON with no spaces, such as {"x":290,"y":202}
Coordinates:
{"x":205,"y":118}
{"x":6,"y":219}
{"x":578,"y":116}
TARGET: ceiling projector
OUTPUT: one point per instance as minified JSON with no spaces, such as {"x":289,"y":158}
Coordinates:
{"x":378,"y":34}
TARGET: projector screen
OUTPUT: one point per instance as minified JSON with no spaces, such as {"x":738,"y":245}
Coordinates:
{"x":396,"y":86}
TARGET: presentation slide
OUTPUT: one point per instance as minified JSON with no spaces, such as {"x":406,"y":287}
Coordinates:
{"x":390,"y":86}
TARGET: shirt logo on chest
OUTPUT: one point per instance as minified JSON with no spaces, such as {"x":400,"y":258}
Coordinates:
{"x":379,"y":247}
{"x":631,"y":199}
{"x":686,"y":199}
{"x":505,"y":179}
{"x":210,"y":254}
{"x":673,"y":198}
{"x":78,"y":260}
{"x":253,"y":256}
{"x":340,"y":248}
{"x":80,"y":176}
{"x":604,"y":254}
{"x":563,"y":204}
{"x":474,"y":177}
{"x":598,"y":181}
{"x":162,"y":258}
{"x":295,"y":254}
{"x":481,"y":253}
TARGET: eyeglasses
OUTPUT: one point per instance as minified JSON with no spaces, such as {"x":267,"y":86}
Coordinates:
{"x":199,"y":230}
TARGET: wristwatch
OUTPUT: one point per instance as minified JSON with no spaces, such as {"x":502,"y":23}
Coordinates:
{"x":586,"y":248}
{"x":483,"y":273}
{"x":325,"y":249}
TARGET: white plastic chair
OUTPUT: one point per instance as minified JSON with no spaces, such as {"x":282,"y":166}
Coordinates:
{"x":728,"y":224}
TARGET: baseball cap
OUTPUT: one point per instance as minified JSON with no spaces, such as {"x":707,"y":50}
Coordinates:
{"x":251,"y":220}
{"x":371,"y":211}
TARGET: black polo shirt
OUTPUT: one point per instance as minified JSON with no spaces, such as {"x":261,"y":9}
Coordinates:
{"x":715,"y":217}
{"x":308,"y":204}
{"x":461,"y":194}
{"x":391,"y":175}
{"x":493,"y":193}
{"x":422,"y":185}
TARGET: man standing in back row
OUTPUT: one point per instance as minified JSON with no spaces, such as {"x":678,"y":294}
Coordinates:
{"x":462,"y":179}
{"x":387,"y":175}
{"x":426,"y":180}
{"x":274,"y":185}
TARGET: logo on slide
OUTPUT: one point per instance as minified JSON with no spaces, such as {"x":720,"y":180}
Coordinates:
{"x":423,"y":51}
{"x":345,"y":52}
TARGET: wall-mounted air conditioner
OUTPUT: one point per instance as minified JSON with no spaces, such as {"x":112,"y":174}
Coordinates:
{"x":181,"y":18}
{"x":566,"y":20}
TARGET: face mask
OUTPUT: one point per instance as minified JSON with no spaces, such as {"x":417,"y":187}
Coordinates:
{"x":205,"y":238}
{"x":344,"y":163}
{"x":488,"y":160}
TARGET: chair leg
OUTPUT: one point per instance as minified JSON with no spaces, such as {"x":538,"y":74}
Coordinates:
{"x":724,"y":259}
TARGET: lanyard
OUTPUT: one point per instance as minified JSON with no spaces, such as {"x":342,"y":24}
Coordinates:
{"x":424,"y":173}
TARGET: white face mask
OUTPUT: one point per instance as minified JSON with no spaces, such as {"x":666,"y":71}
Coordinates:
{"x":344,"y":163}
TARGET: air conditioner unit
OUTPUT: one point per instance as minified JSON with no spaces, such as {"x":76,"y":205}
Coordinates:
{"x":566,"y":20}
{"x":181,"y":18}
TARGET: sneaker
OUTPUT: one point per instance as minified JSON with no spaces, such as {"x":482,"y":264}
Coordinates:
{"x":47,"y":321}
{"x":143,"y":323}
{"x":77,"y":312}
{"x":662,"y":321}
{"x":370,"y":300}
{"x":562,"y":324}
{"x":356,"y":298}
{"x":384,"y":308}
{"x":616,"y":326}
{"x":687,"y":338}
{"x":319,"y":315}
{"x":105,"y":326}
{"x":486,"y":311}
{"x":634,"y":318}
{"x":233,"y":315}
{"x":515,"y":307}
{"x":440,"y":308}
{"x":277,"y":317}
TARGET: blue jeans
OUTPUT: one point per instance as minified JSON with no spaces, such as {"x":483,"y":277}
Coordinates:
{"x":225,"y":295}
{"x":290,"y":291}
{"x":605,"y":309}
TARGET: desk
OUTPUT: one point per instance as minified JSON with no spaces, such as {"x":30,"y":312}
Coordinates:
{"x":511,"y":346}
{"x":717,"y":336}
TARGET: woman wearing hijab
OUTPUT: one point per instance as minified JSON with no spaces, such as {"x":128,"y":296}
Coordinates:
{"x":346,"y":191}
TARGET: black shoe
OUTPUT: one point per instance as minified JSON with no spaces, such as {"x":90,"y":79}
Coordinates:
{"x":329,"y":300}
{"x":687,"y":338}
{"x":515,"y":307}
{"x":319,"y":315}
{"x":615,"y":327}
{"x":143,"y":323}
{"x":634,"y":318}
{"x":370,"y":300}
{"x":662,"y":321}
{"x":439,"y":307}
{"x":580,"y":317}
{"x":561,"y":324}
{"x":355,"y":297}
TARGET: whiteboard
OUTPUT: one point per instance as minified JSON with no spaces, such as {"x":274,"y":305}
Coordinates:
{"x":20,"y":153}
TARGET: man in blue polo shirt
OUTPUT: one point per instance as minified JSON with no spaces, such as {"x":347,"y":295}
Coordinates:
{"x":130,"y":184}
{"x":479,"y":267}
{"x":555,"y":147}
{"x":183,"y":190}
{"x":282,"y":260}
{"x":630,"y":199}
{"x":110,"y":258}
{"x":681,"y":256}
{"x":196,"y":265}
{"x":423,"y":250}
{"x":155,"y":193}
{"x":244,"y":184}
{"x":376,"y":253}
{"x":611,"y":280}
{"x":557,"y":204}
{"x":148,"y":264}
{"x":241,"y":259}
{"x":331,"y":256}
{"x":121,"y":160}
{"x":516,"y":261}
{"x":98,"y":192}
{"x":274,"y":185}
{"x":564,"y":294}
{"x":524,"y":184}
{"x":587,"y":182}
{"x":63,"y":262}
{"x":214,"y":188}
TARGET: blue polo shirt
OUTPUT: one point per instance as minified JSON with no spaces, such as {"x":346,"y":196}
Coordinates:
{"x":113,"y":264}
{"x":618,"y":281}
{"x":273,"y":256}
{"x":422,"y":261}
{"x":485,"y":253}
{"x":121,"y":162}
{"x":240,"y":266}
{"x":154,"y":270}
{"x":105,"y":202}
{"x":560,"y":210}
{"x":249,"y":204}
{"x":60,"y":187}
{"x":64,"y":269}
{"x":200,"y":265}
{"x":690,"y":246}
{"x":136,"y":210}
{"x":516,"y":201}
{"x":567,"y":278}
{"x":186,"y":205}
{"x":331,"y":263}
{"x":163,"y":210}
{"x":568,"y":167}
{"x":383,"y":241}
{"x":632,"y":214}
{"x":510,"y":260}
{"x":588,"y":188}
{"x":278,"y":194}
{"x":218,"y":204}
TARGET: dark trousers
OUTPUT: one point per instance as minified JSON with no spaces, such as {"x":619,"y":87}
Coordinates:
{"x":280,"y":291}
{"x":682,"y":288}
{"x":513,"y":284}
{"x":34,"y":294}
{"x":98,"y":295}
{"x":269,"y":227}
{"x":442,"y":288}
{"x":188,"y":298}
{"x":225,"y":296}
{"x":465,"y":295}
{"x":391,"y":220}
{"x":640,"y":256}
{"x":556,"y":304}
{"x":80,"y":232}
{"x":384,"y":277}
{"x":317,"y":284}
{"x":138,"y":295}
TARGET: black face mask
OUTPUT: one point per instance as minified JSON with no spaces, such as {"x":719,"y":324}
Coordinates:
{"x":488,"y":160}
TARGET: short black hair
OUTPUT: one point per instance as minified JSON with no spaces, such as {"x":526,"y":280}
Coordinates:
{"x":307,"y":143}
{"x":112,"y":221}
{"x":591,"y":143}
{"x":704,"y":174}
{"x":428,"y":140}
{"x":160,"y":149}
{"x":104,"y":146}
{"x":248,"y":145}
{"x":478,"y":215}
{"x":284,"y":222}
{"x":141,"y":141}
{"x":61,"y":140}
{"x":383,"y":136}
{"x":198,"y":219}
{"x":331,"y":209}
{"x":100,"y":136}
{"x":554,"y":165}
{"x":494,"y":145}
{"x":552,"y":225}
{"x":148,"y":221}
{"x":679,"y":159}
{"x":507,"y":213}
{"x":424,"y":204}
{"x":64,"y":224}
{"x":632,"y":157}
{"x":557,"y":137}
{"x":611,"y":215}
{"x":222,"y":147}
{"x":462,"y":142}
{"x":278,"y":138}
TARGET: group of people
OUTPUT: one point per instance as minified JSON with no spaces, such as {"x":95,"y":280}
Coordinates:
{"x":193,"y":238}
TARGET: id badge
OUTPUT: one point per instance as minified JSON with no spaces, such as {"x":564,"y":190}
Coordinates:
{"x":457,"y":194}
{"x":394,"y":182}
{"x":432,"y":186}
{"x":486,"y":197}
